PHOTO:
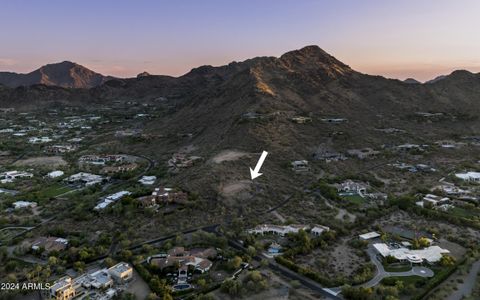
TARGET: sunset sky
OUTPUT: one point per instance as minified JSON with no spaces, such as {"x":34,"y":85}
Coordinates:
{"x":397,"y":39}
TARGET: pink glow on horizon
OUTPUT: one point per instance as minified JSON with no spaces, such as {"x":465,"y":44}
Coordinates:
{"x":398,"y":39}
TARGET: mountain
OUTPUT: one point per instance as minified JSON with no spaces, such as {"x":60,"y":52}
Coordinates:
{"x":143,"y":74}
{"x":64,"y":74}
{"x":248,"y":106}
{"x":436,"y":79}
{"x":412,"y":81}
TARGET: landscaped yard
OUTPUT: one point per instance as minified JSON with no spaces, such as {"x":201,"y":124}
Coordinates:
{"x":355,"y":199}
{"x":397,"y":267}
{"x":462,"y":212}
{"x":52,"y":191}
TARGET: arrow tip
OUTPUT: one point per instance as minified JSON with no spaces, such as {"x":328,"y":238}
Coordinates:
{"x":254,"y":174}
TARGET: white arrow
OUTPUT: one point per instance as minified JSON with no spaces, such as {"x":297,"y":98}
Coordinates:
{"x":255,"y":173}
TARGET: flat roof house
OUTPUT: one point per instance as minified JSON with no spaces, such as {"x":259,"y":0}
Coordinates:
{"x":55,"y":174}
{"x":62,"y":289}
{"x":148,"y":180}
{"x":50,"y":244}
{"x":121,"y":272}
{"x":317,"y":230}
{"x":86,"y":179}
{"x":300,"y":166}
{"x":277,"y":229}
{"x":24,"y":204}
{"x":469,"y":176}
{"x":431,"y":254}
{"x":369,"y":236}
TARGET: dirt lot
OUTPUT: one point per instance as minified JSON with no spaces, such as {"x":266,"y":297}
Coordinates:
{"x":401,"y":218}
{"x":228,"y":155}
{"x":279,"y":289}
{"x":42,"y":161}
{"x":339,"y":260}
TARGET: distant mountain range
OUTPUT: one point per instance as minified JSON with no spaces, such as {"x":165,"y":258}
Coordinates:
{"x":64,"y":74}
{"x":302,"y":80}
{"x":68,"y":74}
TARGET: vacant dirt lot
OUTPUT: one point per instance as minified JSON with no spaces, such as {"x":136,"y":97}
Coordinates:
{"x":228,"y":155}
{"x":339,"y":259}
{"x":42,"y":161}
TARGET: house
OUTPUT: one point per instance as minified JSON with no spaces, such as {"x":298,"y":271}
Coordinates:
{"x":111,"y":199}
{"x":62,"y":289}
{"x":101,"y":159}
{"x":334,"y":120}
{"x":10,"y":176}
{"x":369,"y":236}
{"x":453,"y":190}
{"x":7,"y":109}
{"x":85,"y":179}
{"x":181,"y":160}
{"x":55,"y":174}
{"x":277,"y":229}
{"x":449,"y":144}
{"x":164,"y":195}
{"x":121,"y":272}
{"x":430,"y":254}
{"x":435,"y":202}
{"x":24,"y":204}
{"x":178,"y":257}
{"x":128,"y":133}
{"x":300,"y":166}
{"x":39,"y":140}
{"x":100,"y":279}
{"x":363,"y":153}
{"x":148,"y":180}
{"x":469,"y":176}
{"x":317,"y":230}
{"x":119,"y":169}
{"x":411,"y":147}
{"x":350,"y":186}
{"x":60,"y":149}
{"x":301,"y":120}
{"x":50,"y":244}
{"x":328,"y":155}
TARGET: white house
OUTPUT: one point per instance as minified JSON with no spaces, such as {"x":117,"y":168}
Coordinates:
{"x":148,"y":180}
{"x":277,"y":229}
{"x":317,"y":230}
{"x":111,"y":199}
{"x":431,"y":254}
{"x":350,"y":186}
{"x":39,"y":140}
{"x":369,"y":235}
{"x":24,"y":204}
{"x":85,"y":178}
{"x":469,"y":176}
{"x":10,"y":176}
{"x":300,"y":166}
{"x":55,"y":174}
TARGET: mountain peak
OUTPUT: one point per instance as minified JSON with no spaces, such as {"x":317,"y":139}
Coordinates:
{"x":64,"y":74}
{"x":313,"y":57}
{"x":143,"y":74}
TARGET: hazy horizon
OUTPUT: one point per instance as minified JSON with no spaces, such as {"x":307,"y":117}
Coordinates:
{"x":122,"y":38}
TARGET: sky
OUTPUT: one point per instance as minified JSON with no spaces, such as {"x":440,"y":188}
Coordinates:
{"x":397,"y":39}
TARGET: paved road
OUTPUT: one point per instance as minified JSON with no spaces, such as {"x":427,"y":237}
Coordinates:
{"x":272,"y":264}
{"x":381,"y":273}
{"x":468,"y":284}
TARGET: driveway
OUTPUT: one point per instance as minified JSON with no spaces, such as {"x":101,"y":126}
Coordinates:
{"x":466,"y":288}
{"x":381,"y":273}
